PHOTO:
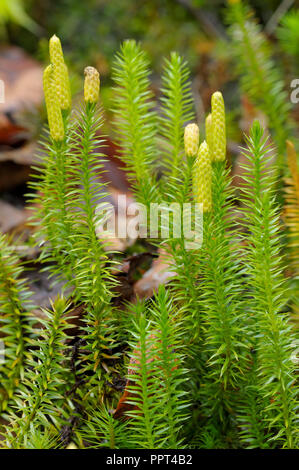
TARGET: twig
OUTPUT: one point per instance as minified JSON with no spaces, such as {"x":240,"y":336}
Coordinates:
{"x":210,"y":27}
{"x":277,"y":15}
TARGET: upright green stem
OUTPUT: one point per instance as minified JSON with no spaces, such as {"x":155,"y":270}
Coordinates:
{"x":219,"y":302}
{"x":12,"y":325}
{"x":90,"y":270}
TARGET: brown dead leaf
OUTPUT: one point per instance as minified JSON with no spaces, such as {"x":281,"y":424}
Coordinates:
{"x":22,"y":77}
{"x":23,"y":155}
{"x":11,"y":217}
{"x":120,"y":202}
{"x":159,"y":273}
{"x":132,"y":268}
{"x":249,"y":114}
{"x":114,"y":168}
{"x":23,"y":93}
{"x":44,"y":288}
{"x":12,"y":175}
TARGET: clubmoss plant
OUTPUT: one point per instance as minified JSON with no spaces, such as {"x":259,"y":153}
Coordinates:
{"x":136,"y":121}
{"x":41,"y":402}
{"x":51,"y":184}
{"x":156,"y":375}
{"x":261,"y":79}
{"x":176,"y":110}
{"x":14,"y":322}
{"x":209,"y":360}
{"x":221,"y":288}
{"x":273,"y":333}
{"x":92,"y":278}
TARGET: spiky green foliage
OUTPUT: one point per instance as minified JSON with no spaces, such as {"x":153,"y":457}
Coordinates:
{"x":275,"y":367}
{"x":208,"y":361}
{"x":84,"y":196}
{"x":251,"y":405}
{"x":156,"y":374}
{"x":261,"y":80}
{"x":221,"y":302}
{"x":41,"y":439}
{"x":288,"y":33}
{"x":176,"y":185}
{"x":176,"y":111}
{"x":136,"y":126}
{"x":169,"y":326}
{"x":41,"y":401}
{"x":68,"y":194}
{"x":136,"y":122}
{"x":102,"y":430}
{"x":93,"y":280}
{"x":52,"y":183}
{"x":180,"y":249}
{"x":50,"y":188}
{"x":14,"y":11}
{"x":14,"y":322}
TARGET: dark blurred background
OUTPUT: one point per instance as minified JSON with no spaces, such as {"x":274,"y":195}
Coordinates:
{"x":91,"y":30}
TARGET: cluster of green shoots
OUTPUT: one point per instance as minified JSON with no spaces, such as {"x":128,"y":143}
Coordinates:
{"x":209,"y":360}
